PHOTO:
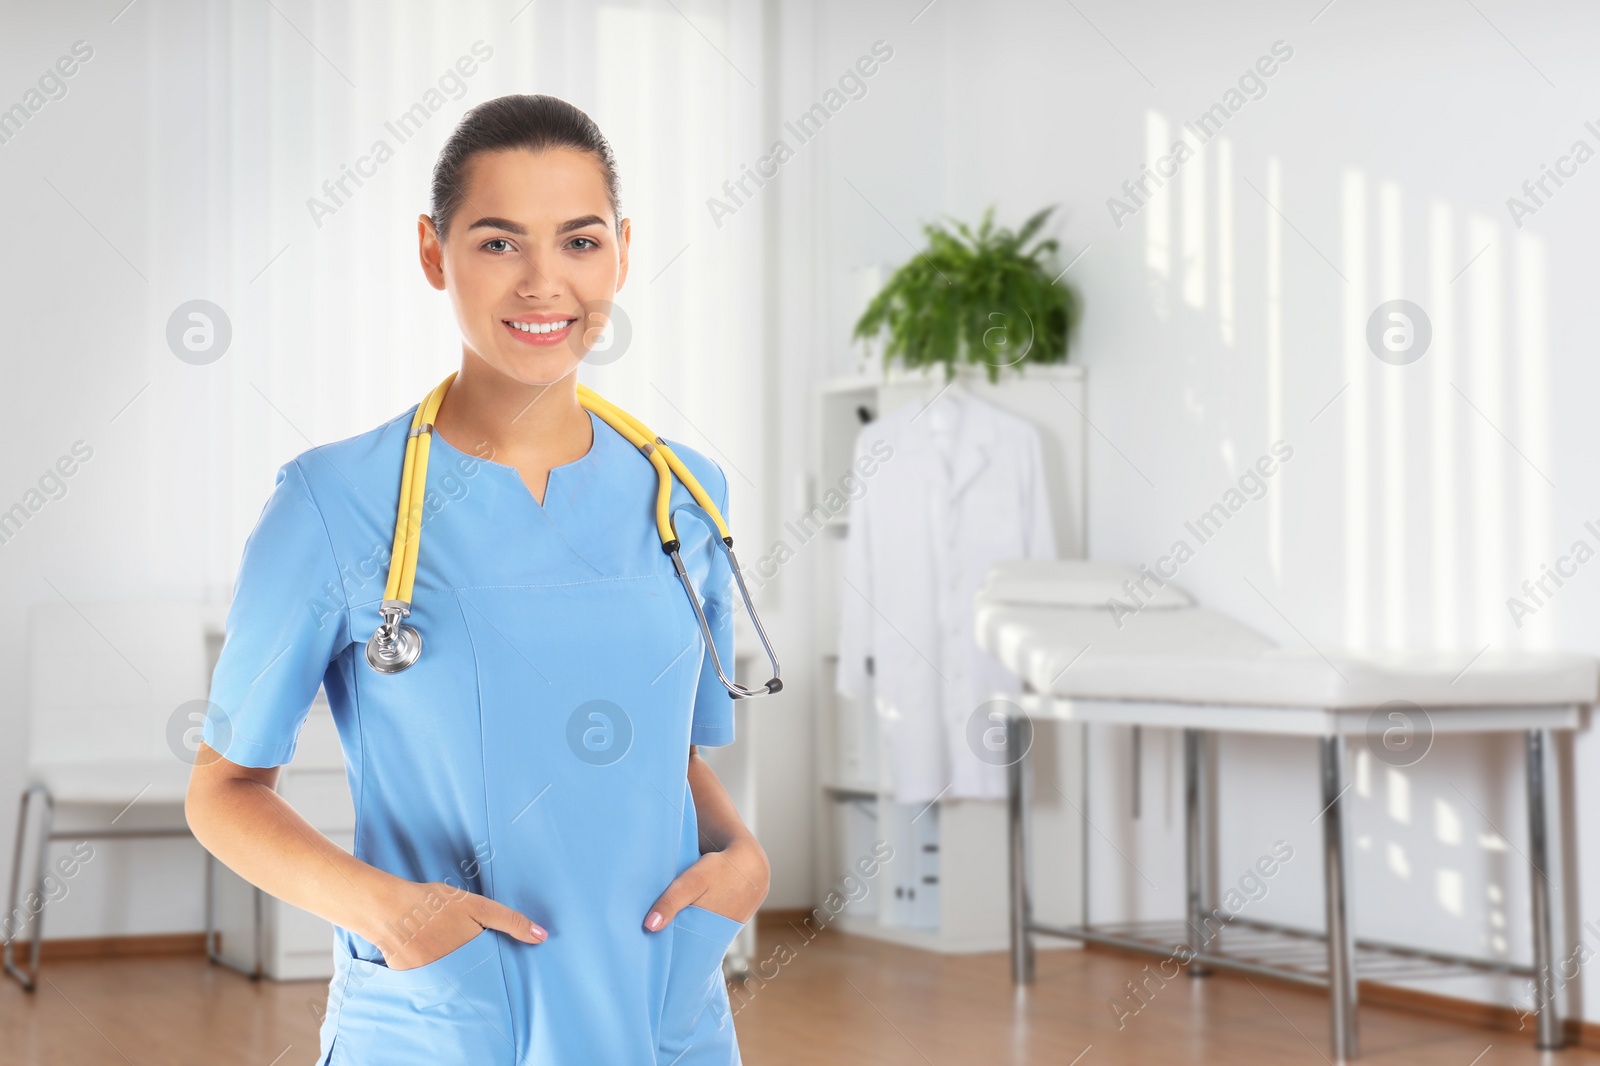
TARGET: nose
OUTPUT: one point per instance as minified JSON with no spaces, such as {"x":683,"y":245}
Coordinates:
{"x":535,"y":282}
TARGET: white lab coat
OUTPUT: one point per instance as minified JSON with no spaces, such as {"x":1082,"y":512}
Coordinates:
{"x":962,"y":488}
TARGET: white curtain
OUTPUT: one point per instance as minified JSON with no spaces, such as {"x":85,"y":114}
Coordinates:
{"x":334,"y":327}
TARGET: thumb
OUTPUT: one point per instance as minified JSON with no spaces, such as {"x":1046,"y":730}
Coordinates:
{"x":492,"y":914}
{"x":684,"y":890}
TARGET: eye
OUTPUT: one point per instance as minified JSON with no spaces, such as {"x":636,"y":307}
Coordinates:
{"x":505,"y":245}
{"x":592,"y":243}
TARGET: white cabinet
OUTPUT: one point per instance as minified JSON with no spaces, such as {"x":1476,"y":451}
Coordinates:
{"x":945,"y":886}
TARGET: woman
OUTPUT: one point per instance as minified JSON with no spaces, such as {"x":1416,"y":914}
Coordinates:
{"x":544,"y":869}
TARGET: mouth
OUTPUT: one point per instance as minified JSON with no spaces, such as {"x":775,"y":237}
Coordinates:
{"x":539,"y":331}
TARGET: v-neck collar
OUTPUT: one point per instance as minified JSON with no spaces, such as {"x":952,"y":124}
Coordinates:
{"x":595,"y":426}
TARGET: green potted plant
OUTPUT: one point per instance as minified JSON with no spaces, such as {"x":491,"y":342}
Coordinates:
{"x":982,"y":298}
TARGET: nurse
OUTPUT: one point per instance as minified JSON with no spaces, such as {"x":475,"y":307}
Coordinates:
{"x":544,"y":870}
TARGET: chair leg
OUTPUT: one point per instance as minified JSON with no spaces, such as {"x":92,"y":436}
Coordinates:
{"x":29,"y":978}
{"x":16,"y":883}
{"x":47,"y":825}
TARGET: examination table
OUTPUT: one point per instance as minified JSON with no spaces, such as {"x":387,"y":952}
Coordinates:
{"x":1153,"y":658}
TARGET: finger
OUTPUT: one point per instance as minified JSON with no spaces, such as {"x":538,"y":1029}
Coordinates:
{"x":684,"y":890}
{"x":492,"y":914}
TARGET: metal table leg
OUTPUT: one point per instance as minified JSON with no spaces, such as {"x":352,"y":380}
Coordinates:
{"x":1018,"y":787}
{"x":1197,"y":855}
{"x":1549,"y":1030}
{"x":1341,"y":938}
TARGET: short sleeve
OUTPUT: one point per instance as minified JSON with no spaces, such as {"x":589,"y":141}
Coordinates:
{"x":286,"y":623}
{"x":713,"y":704}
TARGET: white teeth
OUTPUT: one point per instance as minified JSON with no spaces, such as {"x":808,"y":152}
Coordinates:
{"x":541,"y":327}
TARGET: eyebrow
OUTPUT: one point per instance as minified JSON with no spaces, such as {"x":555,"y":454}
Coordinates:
{"x":521,"y":231}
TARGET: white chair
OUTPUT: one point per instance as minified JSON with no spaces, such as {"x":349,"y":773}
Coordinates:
{"x":116,"y":696}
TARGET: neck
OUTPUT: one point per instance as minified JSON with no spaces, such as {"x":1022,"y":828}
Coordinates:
{"x":494,"y":416}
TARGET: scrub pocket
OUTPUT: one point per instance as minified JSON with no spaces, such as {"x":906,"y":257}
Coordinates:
{"x":696,"y":1025}
{"x":451,"y":1010}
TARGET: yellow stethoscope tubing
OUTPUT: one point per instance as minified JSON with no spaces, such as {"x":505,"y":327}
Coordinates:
{"x":394,"y":646}
{"x":413,"y":479}
{"x":590,"y":399}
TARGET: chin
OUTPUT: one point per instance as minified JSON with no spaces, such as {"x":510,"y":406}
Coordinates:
{"x":543,"y":368}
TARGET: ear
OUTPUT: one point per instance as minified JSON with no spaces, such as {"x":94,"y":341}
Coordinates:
{"x":430,"y":252}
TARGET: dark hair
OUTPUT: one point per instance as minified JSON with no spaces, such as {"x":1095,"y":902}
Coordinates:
{"x":531,"y":122}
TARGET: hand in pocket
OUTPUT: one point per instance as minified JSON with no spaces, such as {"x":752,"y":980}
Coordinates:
{"x":425,"y":921}
{"x":731,"y":883}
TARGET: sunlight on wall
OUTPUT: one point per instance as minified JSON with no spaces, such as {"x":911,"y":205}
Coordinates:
{"x":1397,"y":788}
{"x":1158,"y":209}
{"x":1484,"y":387}
{"x":1274,"y":341}
{"x":1444,"y":460}
{"x":1225,"y":239}
{"x":1497,"y":918}
{"x":1450,"y":891}
{"x":1528,"y":289}
{"x":1397,"y":861}
{"x":1356,"y":359}
{"x":1392,"y":381}
{"x":1194,"y":233}
{"x":1446,"y":822}
{"x":1445,"y":455}
{"x":1450,"y":555}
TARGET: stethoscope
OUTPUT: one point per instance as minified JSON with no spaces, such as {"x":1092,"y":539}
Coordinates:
{"x":396,"y":646}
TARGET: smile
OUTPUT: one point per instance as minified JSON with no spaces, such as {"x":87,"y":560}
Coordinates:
{"x":541,"y":333}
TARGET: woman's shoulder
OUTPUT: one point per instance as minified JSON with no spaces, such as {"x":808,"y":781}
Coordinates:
{"x":343,"y":489}
{"x":368,"y":462}
{"x":705,"y":469}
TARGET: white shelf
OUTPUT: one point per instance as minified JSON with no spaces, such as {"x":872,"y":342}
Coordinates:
{"x":898,"y":375}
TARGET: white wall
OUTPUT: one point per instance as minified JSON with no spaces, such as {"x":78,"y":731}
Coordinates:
{"x":1420,"y":496}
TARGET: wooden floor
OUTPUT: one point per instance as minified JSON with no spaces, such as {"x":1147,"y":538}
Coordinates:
{"x":836,"y":999}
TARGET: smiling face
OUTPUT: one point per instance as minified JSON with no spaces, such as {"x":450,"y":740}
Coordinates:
{"x":531,"y":259}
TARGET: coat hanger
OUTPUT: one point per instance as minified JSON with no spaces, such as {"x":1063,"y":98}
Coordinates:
{"x":949,"y":405}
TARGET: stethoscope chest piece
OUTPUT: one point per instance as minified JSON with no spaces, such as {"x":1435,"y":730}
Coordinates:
{"x":395,"y":645}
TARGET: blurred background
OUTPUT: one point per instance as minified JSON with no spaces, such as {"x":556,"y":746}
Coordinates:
{"x":1314,"y":300}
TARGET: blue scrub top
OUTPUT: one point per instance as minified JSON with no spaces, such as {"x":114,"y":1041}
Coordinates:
{"x":536,"y":754}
